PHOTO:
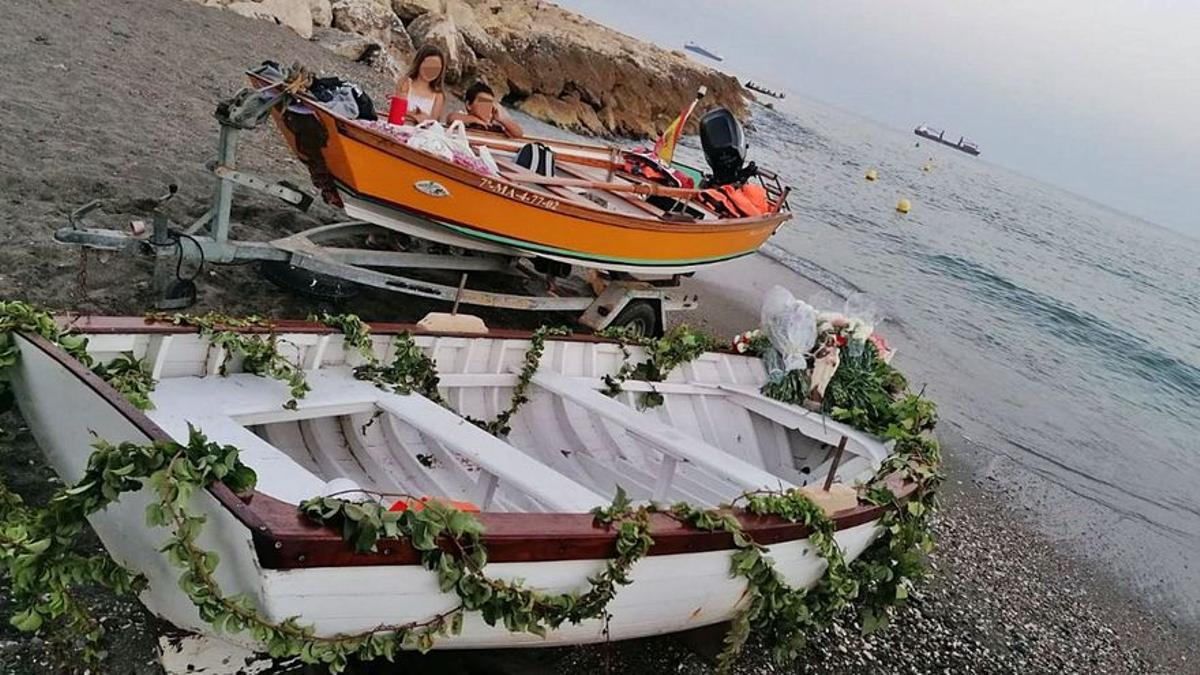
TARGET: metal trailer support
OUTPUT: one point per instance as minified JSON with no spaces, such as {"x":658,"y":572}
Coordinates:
{"x":208,"y":240}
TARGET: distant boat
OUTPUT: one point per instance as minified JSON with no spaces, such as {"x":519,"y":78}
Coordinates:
{"x":754,"y":86}
{"x":691,"y":45}
{"x":938,"y":135}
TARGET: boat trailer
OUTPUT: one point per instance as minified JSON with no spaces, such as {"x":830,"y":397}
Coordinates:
{"x":311,"y":263}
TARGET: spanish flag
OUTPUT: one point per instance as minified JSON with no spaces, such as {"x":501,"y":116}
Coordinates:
{"x":664,"y":147}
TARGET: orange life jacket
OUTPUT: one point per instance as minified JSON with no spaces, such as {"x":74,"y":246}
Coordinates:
{"x":744,"y":205}
{"x":757,"y":195}
{"x":716,"y":200}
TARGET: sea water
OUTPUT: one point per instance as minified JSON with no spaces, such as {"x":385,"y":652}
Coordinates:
{"x":1061,"y":337}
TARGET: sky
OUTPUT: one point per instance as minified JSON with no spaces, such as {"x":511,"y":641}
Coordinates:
{"x":1100,"y":97}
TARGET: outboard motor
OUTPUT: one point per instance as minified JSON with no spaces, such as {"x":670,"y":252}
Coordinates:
{"x":725,"y":147}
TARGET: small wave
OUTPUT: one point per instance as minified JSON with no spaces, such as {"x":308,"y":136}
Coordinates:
{"x":1120,"y":349}
{"x":810,"y":270}
{"x":1151,"y":512}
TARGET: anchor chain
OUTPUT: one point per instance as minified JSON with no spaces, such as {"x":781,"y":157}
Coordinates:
{"x":81,"y":279}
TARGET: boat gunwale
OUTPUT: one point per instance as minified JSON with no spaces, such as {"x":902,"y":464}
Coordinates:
{"x":285,"y":539}
{"x":356,"y":131}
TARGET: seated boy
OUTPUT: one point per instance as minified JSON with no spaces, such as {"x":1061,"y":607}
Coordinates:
{"x":484,"y":113}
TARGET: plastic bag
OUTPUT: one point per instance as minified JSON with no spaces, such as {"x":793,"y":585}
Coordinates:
{"x":791,"y":325}
{"x":485,"y":156}
{"x":456,"y":135}
{"x":863,"y":314}
{"x":450,"y":144}
{"x":430,"y":137}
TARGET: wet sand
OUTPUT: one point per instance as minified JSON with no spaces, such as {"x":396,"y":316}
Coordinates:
{"x":113,"y":101}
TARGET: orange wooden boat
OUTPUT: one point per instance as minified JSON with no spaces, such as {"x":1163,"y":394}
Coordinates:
{"x":590,"y":213}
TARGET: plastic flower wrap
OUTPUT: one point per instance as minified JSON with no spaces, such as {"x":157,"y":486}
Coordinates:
{"x":882,"y":347}
{"x":863,"y":315}
{"x":850,"y":327}
{"x":791,"y":326}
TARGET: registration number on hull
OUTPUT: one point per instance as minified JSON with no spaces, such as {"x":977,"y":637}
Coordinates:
{"x":523,"y":196}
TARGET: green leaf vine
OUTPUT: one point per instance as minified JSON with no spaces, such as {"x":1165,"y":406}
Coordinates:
{"x":126,"y":374}
{"x":412,"y":371}
{"x":449,"y":543}
{"x":259,"y":350}
{"x":869,"y":394}
{"x":130,"y":376}
{"x":16,"y":316}
{"x":37,"y":545}
{"x":680,"y":345}
{"x":781,"y":614}
{"x":355,"y":332}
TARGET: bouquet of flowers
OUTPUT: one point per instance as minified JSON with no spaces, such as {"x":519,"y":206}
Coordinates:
{"x":752,"y":342}
{"x":800,"y":344}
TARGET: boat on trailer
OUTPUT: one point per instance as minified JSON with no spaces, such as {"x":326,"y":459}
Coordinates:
{"x":714,"y":437}
{"x":593,"y":211}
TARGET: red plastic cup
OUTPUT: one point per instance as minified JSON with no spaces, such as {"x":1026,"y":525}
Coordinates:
{"x":397,"y":110}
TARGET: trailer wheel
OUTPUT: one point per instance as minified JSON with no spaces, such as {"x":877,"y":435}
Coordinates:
{"x":305,"y":282}
{"x":640,"y":318}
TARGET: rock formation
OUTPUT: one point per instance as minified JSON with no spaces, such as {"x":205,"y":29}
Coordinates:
{"x":550,"y":63}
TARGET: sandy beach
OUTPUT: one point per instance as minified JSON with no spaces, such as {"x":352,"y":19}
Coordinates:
{"x":114,"y":100}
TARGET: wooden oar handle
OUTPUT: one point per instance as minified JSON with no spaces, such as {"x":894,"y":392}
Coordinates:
{"x":636,"y":188}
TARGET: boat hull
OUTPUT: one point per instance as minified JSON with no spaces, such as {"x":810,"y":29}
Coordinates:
{"x":969,"y":149}
{"x":290,"y":567}
{"x":402,"y":184}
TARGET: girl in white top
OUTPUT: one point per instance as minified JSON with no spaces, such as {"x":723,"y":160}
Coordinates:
{"x":422,"y":85}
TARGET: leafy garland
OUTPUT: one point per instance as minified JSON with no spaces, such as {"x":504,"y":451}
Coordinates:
{"x":259,"y":351}
{"x":19,"y":316}
{"x":869,"y":394}
{"x":130,"y":376}
{"x":126,"y":374}
{"x":680,"y":345}
{"x":461,"y":568}
{"x":783,"y":615}
{"x":412,"y":371}
{"x":34,"y":545}
{"x":355,"y":332}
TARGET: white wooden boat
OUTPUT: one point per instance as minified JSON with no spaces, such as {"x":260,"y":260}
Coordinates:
{"x":570,"y":446}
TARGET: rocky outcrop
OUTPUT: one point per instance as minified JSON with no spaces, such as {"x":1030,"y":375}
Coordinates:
{"x":440,"y":29}
{"x":322,"y":13}
{"x":294,"y":15}
{"x":408,"y":10}
{"x":588,"y":77}
{"x":368,"y":18}
{"x":345,"y":44}
{"x":544,"y":60}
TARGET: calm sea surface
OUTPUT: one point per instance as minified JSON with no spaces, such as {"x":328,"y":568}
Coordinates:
{"x":1061,"y":338}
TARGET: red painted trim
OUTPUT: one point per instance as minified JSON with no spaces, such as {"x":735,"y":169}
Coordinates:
{"x":109,"y":325}
{"x":116,"y":325}
{"x":284,"y":539}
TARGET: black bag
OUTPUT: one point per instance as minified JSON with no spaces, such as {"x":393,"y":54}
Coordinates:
{"x":366,"y":107}
{"x":537,"y":158}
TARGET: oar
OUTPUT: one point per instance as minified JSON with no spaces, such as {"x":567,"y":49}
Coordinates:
{"x":635,"y":188}
{"x":837,"y":459}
